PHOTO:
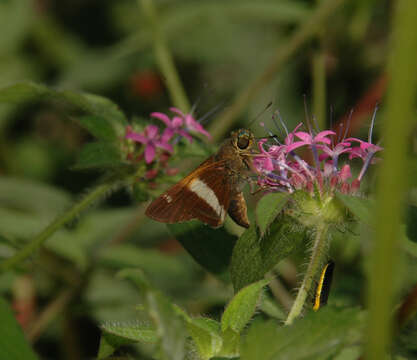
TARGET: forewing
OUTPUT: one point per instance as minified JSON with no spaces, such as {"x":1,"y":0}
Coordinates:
{"x":204,"y":195}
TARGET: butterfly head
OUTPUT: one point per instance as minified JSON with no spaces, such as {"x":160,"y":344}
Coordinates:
{"x":243,"y":139}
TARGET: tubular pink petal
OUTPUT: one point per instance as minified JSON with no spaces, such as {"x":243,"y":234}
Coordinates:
{"x":186,"y":135}
{"x":306,"y":137}
{"x":137,"y":137}
{"x":151,"y":131}
{"x":345,"y":173}
{"x":295,"y":145}
{"x":177,"y":122}
{"x":325,"y":133}
{"x":167,"y":135}
{"x":164,"y":118}
{"x":149,"y":153}
{"x":177,"y":111}
{"x":164,"y":145}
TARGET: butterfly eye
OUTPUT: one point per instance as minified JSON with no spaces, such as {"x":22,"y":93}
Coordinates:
{"x":243,"y":142}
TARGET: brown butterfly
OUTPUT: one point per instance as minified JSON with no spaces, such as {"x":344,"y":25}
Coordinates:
{"x":212,"y":189}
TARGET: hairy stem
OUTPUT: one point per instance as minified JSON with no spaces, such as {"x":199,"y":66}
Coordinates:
{"x":60,"y":221}
{"x":314,"y":267}
{"x":164,"y":58}
{"x":304,"y":33}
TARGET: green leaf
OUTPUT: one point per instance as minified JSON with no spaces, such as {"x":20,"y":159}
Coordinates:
{"x":268,"y":207}
{"x":211,"y":248}
{"x":360,"y":207}
{"x":98,"y":154}
{"x":319,"y":335}
{"x":13,"y":345}
{"x":253,"y":257}
{"x":242,"y":307}
{"x":206,"y":335}
{"x":169,"y":324}
{"x":115,"y":335}
{"x":99,"y":127}
{"x":231,"y":344}
{"x":87,"y":103}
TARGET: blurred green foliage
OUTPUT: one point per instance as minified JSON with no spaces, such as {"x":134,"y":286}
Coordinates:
{"x":66,"y":296}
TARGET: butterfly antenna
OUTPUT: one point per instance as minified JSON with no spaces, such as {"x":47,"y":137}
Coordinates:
{"x":200,"y":96}
{"x":260,"y":114}
{"x":271,"y":134}
{"x":208,"y":114}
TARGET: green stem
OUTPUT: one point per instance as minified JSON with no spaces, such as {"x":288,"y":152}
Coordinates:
{"x":303,"y":34}
{"x":164,"y":58}
{"x":398,"y":125}
{"x":314,"y":267}
{"x":60,"y":221}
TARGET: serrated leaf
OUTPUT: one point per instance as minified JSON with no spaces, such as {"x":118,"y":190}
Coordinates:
{"x":242,"y":307}
{"x":268,"y":207}
{"x":87,"y":103}
{"x":99,"y":127}
{"x":115,"y":335}
{"x":319,"y":335}
{"x":169,"y":324}
{"x":98,"y":154}
{"x":253,"y":257}
{"x":13,"y":345}
{"x":206,"y":335}
{"x":211,"y":248}
{"x":360,"y":207}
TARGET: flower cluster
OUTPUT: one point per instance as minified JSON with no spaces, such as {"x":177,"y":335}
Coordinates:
{"x":158,"y":147}
{"x":282,"y":169}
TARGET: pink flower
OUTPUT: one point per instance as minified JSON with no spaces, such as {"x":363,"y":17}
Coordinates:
{"x":191,"y":123}
{"x":309,"y":139}
{"x":150,"y":139}
{"x":174,"y":126}
{"x":364,"y":150}
{"x":281,"y":169}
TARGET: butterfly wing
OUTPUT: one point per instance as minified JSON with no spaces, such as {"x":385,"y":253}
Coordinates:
{"x":204,"y":195}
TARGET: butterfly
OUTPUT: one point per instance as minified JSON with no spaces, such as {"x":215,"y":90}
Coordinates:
{"x":213,"y":189}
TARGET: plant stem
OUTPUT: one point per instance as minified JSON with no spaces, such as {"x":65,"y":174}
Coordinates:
{"x":303,"y":34}
{"x":164,"y":58}
{"x":392,"y":179}
{"x":60,"y":221}
{"x":314,"y":267}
